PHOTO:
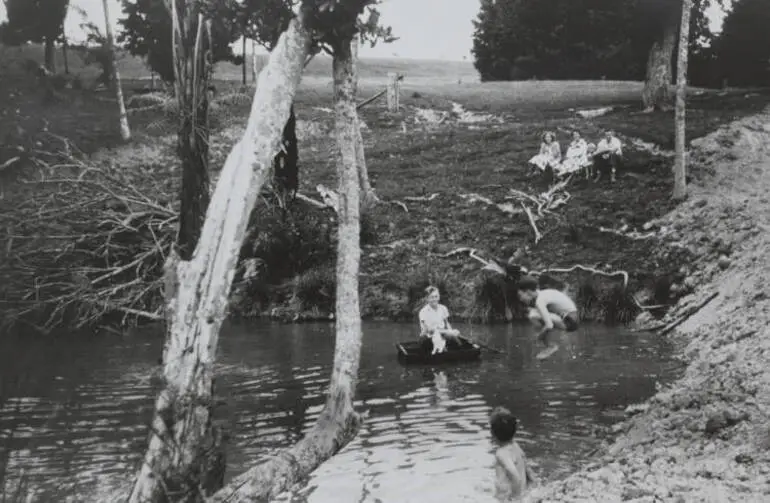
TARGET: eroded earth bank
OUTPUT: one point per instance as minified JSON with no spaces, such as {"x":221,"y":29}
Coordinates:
{"x":705,"y":437}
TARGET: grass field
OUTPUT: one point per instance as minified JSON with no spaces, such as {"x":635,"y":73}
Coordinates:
{"x":407,"y":157}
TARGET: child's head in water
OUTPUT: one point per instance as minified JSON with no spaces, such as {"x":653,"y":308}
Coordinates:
{"x":503,"y":425}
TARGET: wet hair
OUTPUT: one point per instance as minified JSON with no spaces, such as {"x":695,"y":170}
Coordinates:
{"x":527,"y":284}
{"x":503,"y":424}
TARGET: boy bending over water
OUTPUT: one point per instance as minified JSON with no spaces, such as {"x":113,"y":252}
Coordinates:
{"x":552,"y":309}
{"x":512,"y":475}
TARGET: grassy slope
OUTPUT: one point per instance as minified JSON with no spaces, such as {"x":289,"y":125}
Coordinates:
{"x":448,"y":160}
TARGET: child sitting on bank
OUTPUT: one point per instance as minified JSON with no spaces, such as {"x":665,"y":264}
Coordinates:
{"x":512,"y":475}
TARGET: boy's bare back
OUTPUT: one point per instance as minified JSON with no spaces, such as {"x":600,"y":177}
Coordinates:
{"x":511,"y":473}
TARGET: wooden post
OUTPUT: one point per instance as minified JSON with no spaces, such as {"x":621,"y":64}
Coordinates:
{"x":393,"y":92}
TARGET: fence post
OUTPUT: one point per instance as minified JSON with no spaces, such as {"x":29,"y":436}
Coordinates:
{"x":393,"y":92}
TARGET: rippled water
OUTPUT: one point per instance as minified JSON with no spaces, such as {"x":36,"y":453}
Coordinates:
{"x":74,"y":413}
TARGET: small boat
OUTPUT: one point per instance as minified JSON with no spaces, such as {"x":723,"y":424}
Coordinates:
{"x":415,"y":352}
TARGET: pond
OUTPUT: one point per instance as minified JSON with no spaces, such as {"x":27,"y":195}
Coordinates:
{"x":74,"y":412}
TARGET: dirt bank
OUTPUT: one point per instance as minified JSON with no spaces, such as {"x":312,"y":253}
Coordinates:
{"x":706,"y":437}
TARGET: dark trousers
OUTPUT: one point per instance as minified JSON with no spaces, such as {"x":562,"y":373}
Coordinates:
{"x":606,"y":163}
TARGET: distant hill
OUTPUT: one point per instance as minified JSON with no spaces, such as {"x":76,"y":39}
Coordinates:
{"x":321,"y":67}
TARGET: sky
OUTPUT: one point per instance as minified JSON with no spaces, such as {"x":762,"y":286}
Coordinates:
{"x":427,"y":29}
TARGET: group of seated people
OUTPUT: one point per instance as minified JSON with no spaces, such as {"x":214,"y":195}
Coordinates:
{"x":593,"y":160}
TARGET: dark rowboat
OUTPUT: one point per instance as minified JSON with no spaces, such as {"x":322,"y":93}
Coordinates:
{"x":417,"y":352}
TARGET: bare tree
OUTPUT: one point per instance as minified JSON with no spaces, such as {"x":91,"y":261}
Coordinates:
{"x":125,"y":131}
{"x":198,"y":289}
{"x":368,"y":196}
{"x":338,"y":422}
{"x":680,"y":161}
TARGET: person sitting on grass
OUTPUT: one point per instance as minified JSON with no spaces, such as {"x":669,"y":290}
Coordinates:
{"x":608,"y":155}
{"x":512,"y":474}
{"x":576,"y":157}
{"x":434,"y":323}
{"x":550,"y":308}
{"x":549,"y":155}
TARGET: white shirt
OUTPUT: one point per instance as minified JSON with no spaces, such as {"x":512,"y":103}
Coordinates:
{"x":613,"y":146}
{"x":434,"y":319}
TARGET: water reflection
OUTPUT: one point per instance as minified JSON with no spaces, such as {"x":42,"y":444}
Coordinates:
{"x":74,"y":415}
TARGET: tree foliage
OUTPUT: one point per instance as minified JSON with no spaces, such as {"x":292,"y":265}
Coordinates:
{"x":743,"y":48}
{"x":146,"y":32}
{"x":33,"y":20}
{"x":573,"y":39}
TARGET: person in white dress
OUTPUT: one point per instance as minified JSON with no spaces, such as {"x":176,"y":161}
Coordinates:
{"x":576,"y":157}
{"x":434,"y":322}
{"x":549,"y":155}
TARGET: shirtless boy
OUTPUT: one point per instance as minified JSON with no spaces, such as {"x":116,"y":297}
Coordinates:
{"x":552,"y":309}
{"x":512,"y":475}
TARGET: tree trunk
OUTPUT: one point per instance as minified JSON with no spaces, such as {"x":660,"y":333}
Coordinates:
{"x":192,"y":72}
{"x":64,"y":50}
{"x":338,"y":422}
{"x":368,"y":196}
{"x":680,"y":161}
{"x":243,"y":65}
{"x":254,"y":69}
{"x":49,"y":54}
{"x":182,"y":414}
{"x":286,"y":163}
{"x":125,"y":131}
{"x":656,"y":93}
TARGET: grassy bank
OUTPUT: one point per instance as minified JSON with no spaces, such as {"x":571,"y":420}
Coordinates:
{"x":409,"y":154}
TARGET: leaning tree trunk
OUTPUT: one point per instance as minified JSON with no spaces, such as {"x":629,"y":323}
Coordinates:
{"x":656,"y":93}
{"x":125,"y":131}
{"x":338,"y":422}
{"x":198,"y":308}
{"x":680,"y":161}
{"x":368,"y":196}
{"x":192,"y":73}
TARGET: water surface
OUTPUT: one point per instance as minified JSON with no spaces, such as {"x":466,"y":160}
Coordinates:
{"x":74,"y":413}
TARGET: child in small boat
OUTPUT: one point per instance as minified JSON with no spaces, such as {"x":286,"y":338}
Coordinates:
{"x":512,"y":474}
{"x":434,"y":322}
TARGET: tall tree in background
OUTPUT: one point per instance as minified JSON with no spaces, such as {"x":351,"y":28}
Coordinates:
{"x":39,"y":21}
{"x":743,"y":48}
{"x":146,"y":32}
{"x":680,"y":161}
{"x":125,"y":131}
{"x":656,"y":93}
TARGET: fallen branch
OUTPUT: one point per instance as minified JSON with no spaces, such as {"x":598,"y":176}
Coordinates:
{"x":688,"y":314}
{"x":399,"y":204}
{"x":422,"y":198}
{"x":612,"y":274}
{"x":538,"y":237}
{"x":311,"y":201}
{"x":623,"y":232}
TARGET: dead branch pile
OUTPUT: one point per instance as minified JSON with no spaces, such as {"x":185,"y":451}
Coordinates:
{"x":83,"y":242}
{"x":543,"y":204}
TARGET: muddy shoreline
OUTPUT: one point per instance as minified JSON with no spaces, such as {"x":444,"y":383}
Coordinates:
{"x":706,"y":436}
